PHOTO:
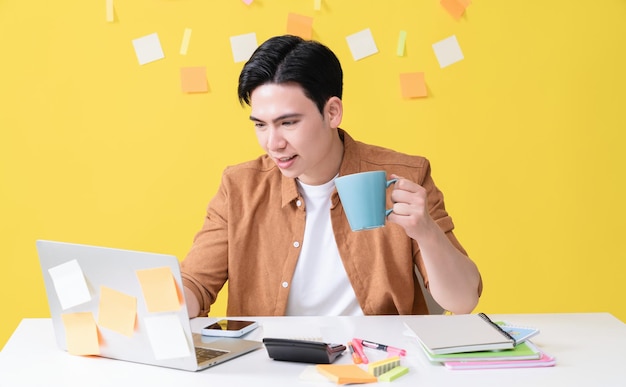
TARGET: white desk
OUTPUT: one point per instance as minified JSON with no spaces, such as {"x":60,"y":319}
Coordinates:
{"x":590,"y":349}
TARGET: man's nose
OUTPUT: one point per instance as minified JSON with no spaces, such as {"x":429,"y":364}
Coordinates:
{"x":275,"y":139}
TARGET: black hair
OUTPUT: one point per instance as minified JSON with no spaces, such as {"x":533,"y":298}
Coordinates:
{"x":288,"y":58}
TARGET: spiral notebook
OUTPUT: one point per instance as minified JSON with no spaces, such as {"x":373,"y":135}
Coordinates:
{"x":443,"y":334}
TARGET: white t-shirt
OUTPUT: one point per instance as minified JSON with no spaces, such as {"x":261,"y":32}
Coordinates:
{"x":320,"y":285}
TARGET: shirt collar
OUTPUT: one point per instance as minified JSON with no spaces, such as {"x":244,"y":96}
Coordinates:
{"x":349,"y":164}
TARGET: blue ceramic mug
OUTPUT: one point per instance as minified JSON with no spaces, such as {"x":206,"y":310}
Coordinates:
{"x":363,"y":198}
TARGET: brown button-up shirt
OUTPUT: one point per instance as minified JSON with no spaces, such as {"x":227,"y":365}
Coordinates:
{"x":254,"y":229}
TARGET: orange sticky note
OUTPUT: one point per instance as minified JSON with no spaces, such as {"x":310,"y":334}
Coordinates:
{"x":456,"y":8}
{"x":193,"y":80}
{"x":300,"y":25}
{"x":81,"y":333}
{"x":345,"y":374}
{"x":413,"y":85}
{"x":117,"y":311}
{"x":160,"y":291}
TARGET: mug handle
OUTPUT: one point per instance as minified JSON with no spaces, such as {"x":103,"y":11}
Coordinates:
{"x":389,"y":182}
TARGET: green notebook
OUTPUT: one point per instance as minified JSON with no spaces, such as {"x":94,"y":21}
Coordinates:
{"x":523,"y":351}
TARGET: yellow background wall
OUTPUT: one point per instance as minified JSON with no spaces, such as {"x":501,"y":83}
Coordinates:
{"x":526,"y":135}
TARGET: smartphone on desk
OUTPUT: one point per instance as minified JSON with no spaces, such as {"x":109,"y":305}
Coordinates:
{"x":229,"y":328}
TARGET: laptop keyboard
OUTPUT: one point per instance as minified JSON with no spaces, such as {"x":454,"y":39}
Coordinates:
{"x":204,"y":354}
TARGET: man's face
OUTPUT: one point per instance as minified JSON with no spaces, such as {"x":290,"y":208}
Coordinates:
{"x":293,"y":132}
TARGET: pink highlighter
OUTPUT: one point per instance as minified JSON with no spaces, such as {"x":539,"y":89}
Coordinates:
{"x":393,"y":351}
{"x":358,"y":348}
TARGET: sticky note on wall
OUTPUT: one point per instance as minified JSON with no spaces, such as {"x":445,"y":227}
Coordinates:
{"x":148,"y":48}
{"x":243,"y":46}
{"x":159,"y":288}
{"x":413,"y":85}
{"x":193,"y":79}
{"x":117,"y":311}
{"x":300,"y":25}
{"x":456,"y":8}
{"x":448,"y":51}
{"x":69,"y":284}
{"x":81,"y":333}
{"x":362,"y":44}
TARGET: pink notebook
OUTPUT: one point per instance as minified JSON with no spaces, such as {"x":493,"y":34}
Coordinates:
{"x":544,"y":361}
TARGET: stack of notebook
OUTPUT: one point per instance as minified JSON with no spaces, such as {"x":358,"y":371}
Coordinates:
{"x":474,"y":341}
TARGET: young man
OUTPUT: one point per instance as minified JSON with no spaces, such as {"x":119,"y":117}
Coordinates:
{"x":276,"y":229}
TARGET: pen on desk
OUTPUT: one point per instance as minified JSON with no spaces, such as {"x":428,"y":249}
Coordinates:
{"x":382,"y":347}
{"x":358,"y":348}
{"x":355,"y":356}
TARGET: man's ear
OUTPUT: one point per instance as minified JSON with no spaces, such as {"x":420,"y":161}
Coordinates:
{"x":334,"y":111}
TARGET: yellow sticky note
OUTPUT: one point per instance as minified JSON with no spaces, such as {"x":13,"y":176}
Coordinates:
{"x":117,"y":311}
{"x":110,"y":11}
{"x":193,"y":80}
{"x":456,"y":8}
{"x":317,"y":5}
{"x":401,"y":43}
{"x":160,"y":291}
{"x":81,"y":333}
{"x":300,"y":25}
{"x":413,"y":85}
{"x":345,"y":373}
{"x":184,"y":45}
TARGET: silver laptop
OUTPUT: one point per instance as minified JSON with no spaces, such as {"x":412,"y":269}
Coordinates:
{"x":125,"y":305}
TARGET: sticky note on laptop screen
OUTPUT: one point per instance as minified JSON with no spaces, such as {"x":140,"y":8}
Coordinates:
{"x":167,"y":337}
{"x":69,"y":284}
{"x":160,"y":291}
{"x":81,"y":333}
{"x":117,"y":311}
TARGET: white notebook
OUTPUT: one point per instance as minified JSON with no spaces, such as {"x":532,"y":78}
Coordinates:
{"x":443,"y":334}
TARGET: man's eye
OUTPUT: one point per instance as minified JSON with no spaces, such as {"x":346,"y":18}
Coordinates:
{"x":259,"y":125}
{"x":288,"y":123}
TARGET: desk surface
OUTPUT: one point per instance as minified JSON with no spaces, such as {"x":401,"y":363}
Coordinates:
{"x":589,"y":349}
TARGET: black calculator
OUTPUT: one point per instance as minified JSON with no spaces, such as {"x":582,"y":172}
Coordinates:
{"x":303,"y":351}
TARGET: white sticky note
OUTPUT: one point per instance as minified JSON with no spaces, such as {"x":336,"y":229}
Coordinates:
{"x":69,"y":283}
{"x":166,"y":337}
{"x":448,"y":51}
{"x":243,"y":46}
{"x":148,"y":48}
{"x":184,"y":46}
{"x":362,"y":44}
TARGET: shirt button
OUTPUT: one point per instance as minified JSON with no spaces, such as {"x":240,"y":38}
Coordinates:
{"x":296,"y":244}
{"x":298,"y":203}
{"x":285,"y":284}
